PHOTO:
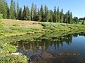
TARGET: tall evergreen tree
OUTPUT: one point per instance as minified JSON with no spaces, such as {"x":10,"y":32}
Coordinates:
{"x":17,"y":12}
{"x":1,"y":6}
{"x":20,"y":14}
{"x":68,"y":19}
{"x":39,"y":15}
{"x":46,"y":15}
{"x":55,"y":15}
{"x":42,"y":13}
{"x":61,"y":16}
{"x":35,"y":13}
{"x":4,"y":8}
{"x":28,"y":14}
{"x":58,"y":15}
{"x":71,"y":20}
{"x":51,"y":16}
{"x":24,"y":13}
{"x":32,"y":11}
{"x":11,"y":11}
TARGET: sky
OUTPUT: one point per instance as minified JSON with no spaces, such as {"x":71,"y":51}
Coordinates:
{"x":77,"y":7}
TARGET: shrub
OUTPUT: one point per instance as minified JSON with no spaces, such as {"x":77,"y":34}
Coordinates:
{"x":1,"y":26}
{"x":13,"y":59}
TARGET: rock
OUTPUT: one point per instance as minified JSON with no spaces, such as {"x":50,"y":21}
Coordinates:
{"x":16,"y":53}
{"x":46,"y":55}
{"x":34,"y":58}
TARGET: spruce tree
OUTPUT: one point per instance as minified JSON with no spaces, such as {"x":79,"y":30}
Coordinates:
{"x":39,"y":16}
{"x":20,"y":14}
{"x":4,"y":8}
{"x":58,"y":15}
{"x":11,"y":11}
{"x":51,"y":16}
{"x":24,"y":13}
{"x":71,"y":19}
{"x":46,"y":15}
{"x":55,"y":15}
{"x":42,"y":13}
{"x":28,"y":17}
{"x":61,"y":16}
{"x":68,"y":18}
{"x":32,"y":11}
{"x":35,"y":13}
{"x":17,"y":12}
{"x":66,"y":21}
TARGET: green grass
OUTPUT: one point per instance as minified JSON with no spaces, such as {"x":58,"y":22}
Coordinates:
{"x":14,"y":27}
{"x":14,"y":31}
{"x":62,"y":26}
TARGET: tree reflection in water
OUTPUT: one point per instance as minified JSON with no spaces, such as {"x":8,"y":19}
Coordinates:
{"x":51,"y":49}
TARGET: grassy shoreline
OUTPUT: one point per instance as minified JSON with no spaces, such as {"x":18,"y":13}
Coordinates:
{"x":14,"y":30}
{"x":15,"y":27}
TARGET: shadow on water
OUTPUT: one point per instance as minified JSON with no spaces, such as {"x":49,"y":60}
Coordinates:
{"x":52,"y":48}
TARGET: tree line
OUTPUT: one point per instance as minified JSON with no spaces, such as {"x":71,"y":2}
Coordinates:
{"x":42,"y":14}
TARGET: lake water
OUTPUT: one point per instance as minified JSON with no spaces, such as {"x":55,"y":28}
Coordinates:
{"x":68,"y":48}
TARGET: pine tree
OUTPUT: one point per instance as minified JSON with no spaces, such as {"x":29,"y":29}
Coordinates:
{"x":32,"y":12}
{"x":55,"y":15}
{"x":46,"y":15}
{"x":51,"y":16}
{"x":24,"y":13}
{"x":17,"y":12}
{"x":42,"y":13}
{"x":66,"y":21}
{"x":11,"y":11}
{"x":28,"y":17}
{"x":71,"y":19}
{"x":61,"y":16}
{"x":3,"y":8}
{"x":35,"y":13}
{"x":7,"y":12}
{"x":58,"y":15}
{"x":39,"y":15}
{"x":20,"y":14}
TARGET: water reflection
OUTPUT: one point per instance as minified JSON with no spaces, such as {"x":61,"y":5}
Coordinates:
{"x":50,"y":49}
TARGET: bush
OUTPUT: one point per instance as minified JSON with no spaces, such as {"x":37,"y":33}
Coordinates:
{"x":1,"y":26}
{"x":13,"y":59}
{"x":83,"y":22}
{"x":1,"y":16}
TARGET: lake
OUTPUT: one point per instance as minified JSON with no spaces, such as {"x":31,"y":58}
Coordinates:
{"x":51,"y":48}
